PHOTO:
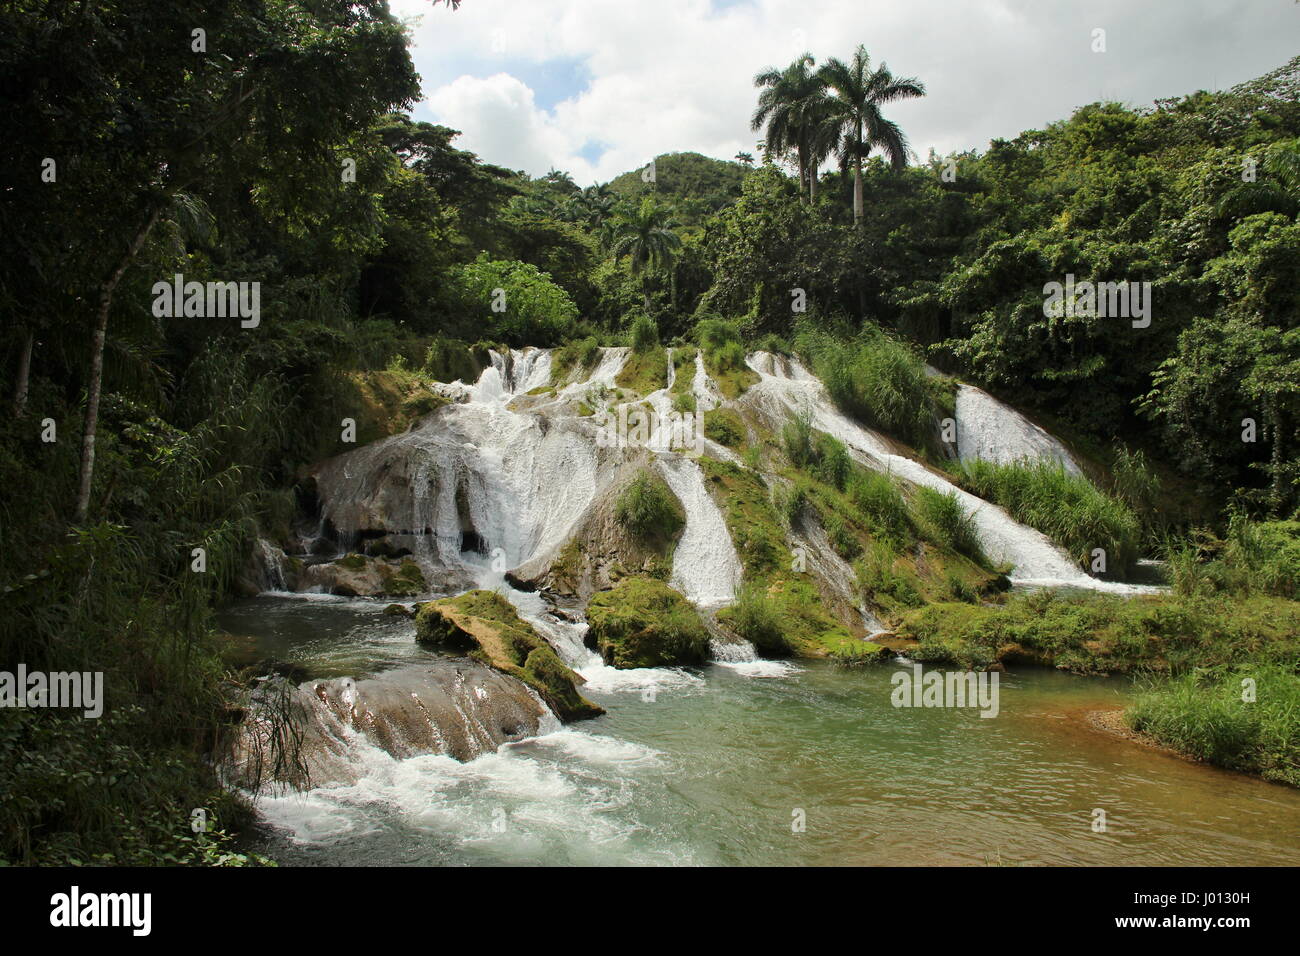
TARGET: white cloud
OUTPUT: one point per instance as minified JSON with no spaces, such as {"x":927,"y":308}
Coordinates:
{"x":501,"y":122}
{"x":666,"y":75}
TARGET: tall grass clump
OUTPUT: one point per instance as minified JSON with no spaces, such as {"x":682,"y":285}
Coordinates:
{"x":1253,"y":557}
{"x":823,"y":456}
{"x":644,"y":334}
{"x":647,"y":508}
{"x":879,"y":498}
{"x":1134,"y":483}
{"x":756,"y":618}
{"x":1068,"y":508}
{"x":797,"y":440}
{"x":878,"y":380}
{"x":943,"y":520}
{"x":1203,"y":713}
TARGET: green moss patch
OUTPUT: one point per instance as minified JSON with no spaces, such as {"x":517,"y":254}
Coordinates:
{"x":644,"y":372}
{"x":1104,"y":634}
{"x":724,"y":426}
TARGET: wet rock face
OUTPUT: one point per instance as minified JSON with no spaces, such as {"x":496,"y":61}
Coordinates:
{"x":454,"y":707}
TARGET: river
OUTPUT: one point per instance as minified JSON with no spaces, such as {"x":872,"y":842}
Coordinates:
{"x":715,"y":766}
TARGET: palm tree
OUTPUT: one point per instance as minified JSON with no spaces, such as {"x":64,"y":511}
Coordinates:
{"x":1278,"y":190}
{"x":854,"y":123}
{"x":593,"y":205}
{"x":646,"y":236}
{"x":792,"y":107}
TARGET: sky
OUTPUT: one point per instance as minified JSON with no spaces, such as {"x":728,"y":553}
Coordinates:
{"x":598,"y":87}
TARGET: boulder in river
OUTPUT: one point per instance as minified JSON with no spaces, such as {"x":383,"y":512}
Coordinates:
{"x":357,"y":575}
{"x":642,"y":622}
{"x":318,"y":732}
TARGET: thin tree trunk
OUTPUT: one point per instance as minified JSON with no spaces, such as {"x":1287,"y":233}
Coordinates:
{"x":24,"y":373}
{"x":97,"y":364}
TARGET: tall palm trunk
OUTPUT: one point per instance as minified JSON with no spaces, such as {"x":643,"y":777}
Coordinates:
{"x":857,"y":193}
{"x":106,"y":290}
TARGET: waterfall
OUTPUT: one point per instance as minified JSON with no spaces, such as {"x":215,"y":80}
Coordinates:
{"x":270,"y":560}
{"x":705,"y":566}
{"x":991,"y":431}
{"x":786,"y":388}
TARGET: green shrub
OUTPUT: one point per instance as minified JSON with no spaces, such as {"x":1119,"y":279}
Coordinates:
{"x":645,"y":334}
{"x":756,"y":618}
{"x":537,"y":310}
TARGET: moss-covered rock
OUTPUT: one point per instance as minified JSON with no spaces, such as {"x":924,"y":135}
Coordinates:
{"x":642,"y":622}
{"x":406,"y":580}
{"x":602,"y":549}
{"x":358,"y":575}
{"x":484,"y":625}
{"x":387,"y":402}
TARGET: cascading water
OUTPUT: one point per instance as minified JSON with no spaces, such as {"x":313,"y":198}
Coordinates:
{"x":786,"y":388}
{"x":988,"y":430}
{"x":705,"y":566}
{"x":485,"y":488}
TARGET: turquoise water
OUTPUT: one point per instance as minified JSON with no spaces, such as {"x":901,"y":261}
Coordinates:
{"x":717,"y":766}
